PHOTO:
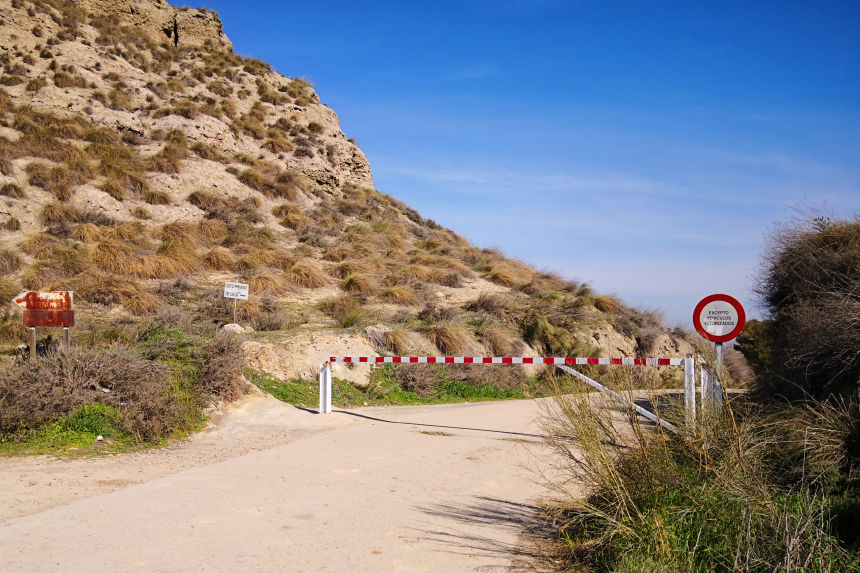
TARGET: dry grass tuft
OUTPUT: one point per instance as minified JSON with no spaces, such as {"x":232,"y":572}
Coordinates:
{"x":12,"y":191}
{"x":448,"y":338}
{"x":290,"y":216}
{"x":400,"y":295}
{"x":155,"y":197}
{"x":178,"y":231}
{"x":113,"y":256}
{"x":419,"y":272}
{"x":345,"y":310}
{"x":498,"y":341}
{"x":508,"y":274}
{"x":130,"y":231}
{"x":307,"y":274}
{"x":9,"y":261}
{"x":220,"y":259}
{"x":267,"y":282}
{"x":141,"y":213}
{"x":358,"y":283}
{"x":87,"y":233}
{"x":606,"y":303}
{"x":57,"y":212}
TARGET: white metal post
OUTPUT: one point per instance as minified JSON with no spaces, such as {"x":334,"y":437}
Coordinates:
{"x":325,"y":388}
{"x":690,"y":388}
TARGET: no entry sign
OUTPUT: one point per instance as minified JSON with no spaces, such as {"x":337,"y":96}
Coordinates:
{"x":719,"y":318}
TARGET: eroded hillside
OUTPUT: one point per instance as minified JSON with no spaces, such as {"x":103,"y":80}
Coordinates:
{"x":144,"y":163}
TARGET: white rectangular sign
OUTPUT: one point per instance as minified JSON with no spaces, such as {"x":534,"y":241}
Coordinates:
{"x":236,"y":290}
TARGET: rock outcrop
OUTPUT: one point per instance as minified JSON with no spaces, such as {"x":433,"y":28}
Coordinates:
{"x":183,"y":27}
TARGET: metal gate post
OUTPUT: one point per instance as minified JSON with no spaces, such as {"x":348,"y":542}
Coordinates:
{"x":325,"y":388}
{"x":690,"y":389}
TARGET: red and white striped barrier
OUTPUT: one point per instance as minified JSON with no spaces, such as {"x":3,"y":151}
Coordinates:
{"x":509,"y":360}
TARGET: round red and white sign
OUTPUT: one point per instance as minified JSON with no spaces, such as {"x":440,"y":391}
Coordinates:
{"x":719,"y":318}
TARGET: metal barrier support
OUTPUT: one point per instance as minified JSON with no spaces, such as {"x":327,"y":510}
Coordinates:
{"x":325,"y":388}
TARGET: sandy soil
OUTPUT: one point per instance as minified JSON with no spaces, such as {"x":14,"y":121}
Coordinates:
{"x":271,"y":487}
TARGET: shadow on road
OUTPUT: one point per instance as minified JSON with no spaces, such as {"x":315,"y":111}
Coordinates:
{"x":530,"y":552}
{"x":375,"y":419}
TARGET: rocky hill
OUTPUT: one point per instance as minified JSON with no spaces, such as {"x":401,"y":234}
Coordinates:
{"x":143,"y":163}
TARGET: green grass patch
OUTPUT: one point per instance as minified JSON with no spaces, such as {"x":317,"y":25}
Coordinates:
{"x":76,"y":434}
{"x":384,"y":389}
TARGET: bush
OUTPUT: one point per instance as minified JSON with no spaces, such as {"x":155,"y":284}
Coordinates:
{"x":221,"y":375}
{"x":809,"y":285}
{"x":46,"y":390}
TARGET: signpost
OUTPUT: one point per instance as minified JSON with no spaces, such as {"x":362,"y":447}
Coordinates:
{"x":718,"y":318}
{"x":51,"y":309}
{"x":236,"y":291}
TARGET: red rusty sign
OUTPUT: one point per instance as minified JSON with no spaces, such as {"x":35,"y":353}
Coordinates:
{"x":47,"y":308}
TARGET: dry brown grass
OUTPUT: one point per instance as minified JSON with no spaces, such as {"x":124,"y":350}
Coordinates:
{"x":442,"y":261}
{"x":267,"y":282}
{"x":508,"y":274}
{"x":498,"y":342}
{"x":113,"y":256}
{"x":359,"y":283}
{"x":220,"y":259}
{"x":400,"y":295}
{"x":141,"y":303}
{"x":167,"y":160}
{"x":12,"y":224}
{"x":209,"y":152}
{"x":449,"y":338}
{"x":130,"y":231}
{"x":54,"y":180}
{"x":87,"y":233}
{"x":40,"y":244}
{"x":419,"y":272}
{"x":141,"y":213}
{"x":154,"y":197}
{"x":182,"y":256}
{"x":307,"y":274}
{"x":606,"y":303}
{"x":290,"y":216}
{"x":178,"y":231}
{"x":12,"y":191}
{"x":213,"y":230}
{"x":272,"y":258}
{"x":445,"y":277}
{"x":10,"y":261}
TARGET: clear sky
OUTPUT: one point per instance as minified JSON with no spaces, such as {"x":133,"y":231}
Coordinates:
{"x":646,"y":148}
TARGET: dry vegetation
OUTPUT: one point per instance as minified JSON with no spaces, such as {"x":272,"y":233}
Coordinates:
{"x":119,"y":190}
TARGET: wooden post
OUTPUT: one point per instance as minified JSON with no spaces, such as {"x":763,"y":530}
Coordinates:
{"x":32,"y":342}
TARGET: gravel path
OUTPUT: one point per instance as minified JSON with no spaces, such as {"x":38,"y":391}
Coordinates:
{"x":275,"y":488}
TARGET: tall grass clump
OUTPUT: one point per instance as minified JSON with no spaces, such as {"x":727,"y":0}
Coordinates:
{"x":760,"y":490}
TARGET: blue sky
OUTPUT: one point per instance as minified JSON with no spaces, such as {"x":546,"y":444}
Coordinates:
{"x":646,"y":148}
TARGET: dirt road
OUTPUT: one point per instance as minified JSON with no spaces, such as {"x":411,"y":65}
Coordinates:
{"x":274,"y":488}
